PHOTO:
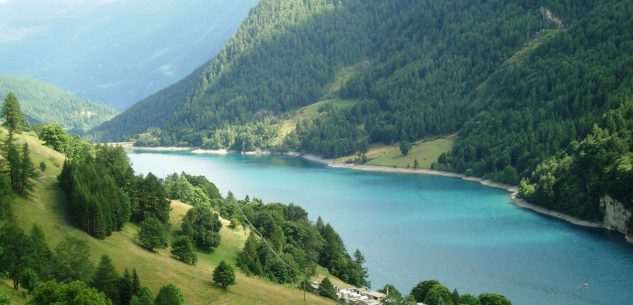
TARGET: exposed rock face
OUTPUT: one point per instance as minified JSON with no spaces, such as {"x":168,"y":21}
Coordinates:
{"x":616,"y":216}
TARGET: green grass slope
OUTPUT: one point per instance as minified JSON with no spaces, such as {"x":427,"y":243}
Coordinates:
{"x":46,"y":208}
{"x":45,"y":103}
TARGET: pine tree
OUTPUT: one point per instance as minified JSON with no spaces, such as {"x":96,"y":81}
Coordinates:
{"x":126,"y":288}
{"x":136,"y":282}
{"x":326,"y":289}
{"x":42,"y":254}
{"x":13,"y":118}
{"x":12,"y":157}
{"x":106,"y":279}
{"x":27,"y":172}
{"x":143,"y":297}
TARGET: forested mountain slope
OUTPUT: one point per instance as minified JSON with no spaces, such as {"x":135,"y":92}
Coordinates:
{"x":287,"y":52}
{"x":519,"y":81}
{"x":46,"y":103}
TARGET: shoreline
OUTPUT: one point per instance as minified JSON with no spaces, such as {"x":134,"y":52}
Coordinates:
{"x":512,"y":189}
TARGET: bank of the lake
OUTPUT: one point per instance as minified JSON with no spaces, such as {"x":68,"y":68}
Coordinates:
{"x":412,"y":227}
{"x":512,"y":189}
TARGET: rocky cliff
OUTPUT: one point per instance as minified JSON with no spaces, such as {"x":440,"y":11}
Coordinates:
{"x":616,"y":216}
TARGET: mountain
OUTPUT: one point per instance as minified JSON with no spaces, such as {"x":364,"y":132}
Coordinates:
{"x":115,"y":52}
{"x":518,"y":81}
{"x":46,"y":103}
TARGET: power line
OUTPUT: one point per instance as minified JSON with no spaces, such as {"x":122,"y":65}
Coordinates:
{"x":336,"y":299}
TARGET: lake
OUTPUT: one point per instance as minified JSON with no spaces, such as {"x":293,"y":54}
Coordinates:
{"x":416,"y":227}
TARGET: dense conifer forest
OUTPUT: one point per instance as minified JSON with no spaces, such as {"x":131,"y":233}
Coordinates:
{"x":519,"y":82}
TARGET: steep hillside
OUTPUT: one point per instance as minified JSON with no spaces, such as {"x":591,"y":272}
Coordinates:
{"x":46,"y":208}
{"x":114,"y":52}
{"x":287,"y":54}
{"x":518,"y":81}
{"x":46,"y":103}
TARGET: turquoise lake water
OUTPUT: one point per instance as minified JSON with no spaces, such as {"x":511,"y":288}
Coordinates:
{"x":416,"y":227}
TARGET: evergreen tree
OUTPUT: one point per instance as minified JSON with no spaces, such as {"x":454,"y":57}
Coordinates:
{"x":149,"y":199}
{"x":169,"y":295}
{"x":27,"y":172}
{"x":405,"y":146}
{"x":126,"y":288}
{"x":14,"y":162}
{"x":326,"y":289}
{"x":183,"y":250}
{"x":14,"y":120}
{"x":42,"y":254}
{"x":136,"y":282}
{"x":106,"y":279}
{"x":455,"y":297}
{"x":152,"y":234}
{"x":144,"y":297}
{"x":223,"y":275}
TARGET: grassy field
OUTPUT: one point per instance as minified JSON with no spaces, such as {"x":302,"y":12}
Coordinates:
{"x":425,"y":151}
{"x":155,"y":268}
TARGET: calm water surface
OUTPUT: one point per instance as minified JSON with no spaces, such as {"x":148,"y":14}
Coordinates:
{"x":415,"y":227}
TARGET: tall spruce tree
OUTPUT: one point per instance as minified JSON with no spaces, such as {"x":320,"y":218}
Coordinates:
{"x":12,"y":115}
{"x":42,"y":254}
{"x":27,"y":172}
{"x":106,"y":279}
{"x":126,"y":289}
{"x":13,"y":160}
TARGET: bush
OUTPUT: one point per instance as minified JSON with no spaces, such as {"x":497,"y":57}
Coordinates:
{"x":183,"y":250}
{"x":223,"y":275}
{"x":170,"y":295}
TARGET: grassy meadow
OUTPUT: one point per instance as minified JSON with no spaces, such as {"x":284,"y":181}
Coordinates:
{"x":46,"y":208}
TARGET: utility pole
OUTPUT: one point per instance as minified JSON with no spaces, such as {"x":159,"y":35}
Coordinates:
{"x":305,"y":280}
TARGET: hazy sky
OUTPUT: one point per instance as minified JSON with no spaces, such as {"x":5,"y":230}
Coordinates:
{"x":114,"y":51}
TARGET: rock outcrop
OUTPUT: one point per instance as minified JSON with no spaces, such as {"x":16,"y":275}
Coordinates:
{"x":616,"y":216}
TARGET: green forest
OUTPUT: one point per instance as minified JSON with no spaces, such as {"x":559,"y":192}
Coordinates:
{"x":519,"y":82}
{"x":45,"y":103}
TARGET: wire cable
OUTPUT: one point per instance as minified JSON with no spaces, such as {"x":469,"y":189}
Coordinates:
{"x":336,"y":299}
